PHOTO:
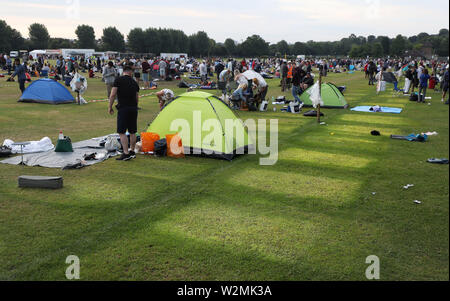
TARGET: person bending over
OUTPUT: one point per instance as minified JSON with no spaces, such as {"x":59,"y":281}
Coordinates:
{"x":127,"y":91}
{"x":165,"y":95}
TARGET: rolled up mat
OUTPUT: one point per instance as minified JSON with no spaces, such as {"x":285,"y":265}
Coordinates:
{"x":40,"y":182}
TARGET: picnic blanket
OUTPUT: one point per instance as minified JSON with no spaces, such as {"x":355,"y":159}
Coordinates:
{"x":52,"y":159}
{"x":383,"y":109}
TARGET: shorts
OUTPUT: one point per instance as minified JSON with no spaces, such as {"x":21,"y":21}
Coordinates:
{"x":137,"y":75}
{"x":127,"y":120}
{"x":445,"y":87}
{"x":145,"y":77}
{"x":162,"y":73}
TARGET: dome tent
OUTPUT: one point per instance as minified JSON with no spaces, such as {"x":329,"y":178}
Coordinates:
{"x":197,"y":110}
{"x":331,"y":96}
{"x":46,"y":91}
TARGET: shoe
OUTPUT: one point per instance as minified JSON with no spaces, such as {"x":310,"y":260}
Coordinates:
{"x":124,"y":157}
{"x":132,"y":154}
{"x":300,"y":106}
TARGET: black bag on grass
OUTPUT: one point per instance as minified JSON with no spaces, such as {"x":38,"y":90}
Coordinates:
{"x":414,"y":97}
{"x":5,"y":151}
{"x":161,"y":147}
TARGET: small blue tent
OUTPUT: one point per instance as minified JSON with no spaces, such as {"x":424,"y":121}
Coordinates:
{"x":47,"y":91}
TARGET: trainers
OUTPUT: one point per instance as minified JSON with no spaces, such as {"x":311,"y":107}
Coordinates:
{"x":132,"y":154}
{"x":300,"y":106}
{"x":124,"y":157}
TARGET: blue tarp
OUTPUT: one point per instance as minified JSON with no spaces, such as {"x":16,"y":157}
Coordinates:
{"x":383,"y":109}
{"x":47,"y":91}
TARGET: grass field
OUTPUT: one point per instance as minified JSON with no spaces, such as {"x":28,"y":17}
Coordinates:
{"x":311,"y":216}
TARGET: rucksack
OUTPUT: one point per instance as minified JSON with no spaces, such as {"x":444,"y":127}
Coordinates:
{"x":160,"y":147}
{"x":414,"y":97}
{"x":183,"y":84}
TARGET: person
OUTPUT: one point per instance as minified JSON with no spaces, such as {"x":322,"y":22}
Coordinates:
{"x":424,"y":77}
{"x":238,"y":94}
{"x":408,"y":80}
{"x":307,"y":82}
{"x":289,"y":75}
{"x":162,"y":69}
{"x":297,"y":77}
{"x":109,"y":75}
{"x":145,"y":73}
{"x":259,"y":83}
{"x":165,"y":95}
{"x":372,"y":70}
{"x":445,"y":84}
{"x":283,"y":74}
{"x":203,"y":71}
{"x":137,"y":70}
{"x":224,"y":78}
{"x":20,"y":72}
{"x":126,"y":90}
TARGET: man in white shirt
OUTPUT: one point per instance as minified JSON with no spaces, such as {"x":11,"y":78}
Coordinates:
{"x":165,"y":95}
{"x":203,"y":71}
{"x":259,"y":83}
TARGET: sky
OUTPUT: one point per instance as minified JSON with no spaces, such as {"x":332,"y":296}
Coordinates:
{"x":273,"y":20}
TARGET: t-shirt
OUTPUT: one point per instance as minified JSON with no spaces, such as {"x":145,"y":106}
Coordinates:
{"x":168,"y":94}
{"x":145,"y":67}
{"x":126,"y":91}
{"x":424,"y":80}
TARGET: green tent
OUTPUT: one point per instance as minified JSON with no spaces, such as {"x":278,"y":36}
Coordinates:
{"x":206,"y":125}
{"x":331,"y":96}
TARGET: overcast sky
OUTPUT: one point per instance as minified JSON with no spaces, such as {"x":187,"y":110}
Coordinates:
{"x":274,"y":20}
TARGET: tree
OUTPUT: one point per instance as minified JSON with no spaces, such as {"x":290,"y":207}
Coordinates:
{"x":386,"y":43}
{"x":377,"y":50}
{"x":443,"y":32}
{"x":39,"y":37}
{"x":113,"y":40}
{"x":254,"y":46}
{"x":57,"y":43}
{"x":86,"y":36}
{"x":299,"y":49}
{"x":371,"y":39}
{"x":283,"y":47}
{"x":230,"y":46}
{"x":398,"y":45}
{"x":152,"y":41}
{"x":136,"y":40}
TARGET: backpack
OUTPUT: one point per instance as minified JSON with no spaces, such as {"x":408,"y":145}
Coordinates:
{"x":414,"y":97}
{"x":160,"y":147}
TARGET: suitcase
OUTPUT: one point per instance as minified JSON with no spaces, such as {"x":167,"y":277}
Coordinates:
{"x":40,"y":182}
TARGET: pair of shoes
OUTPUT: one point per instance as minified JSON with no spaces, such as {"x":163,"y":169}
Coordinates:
{"x":124,"y":157}
{"x":132,"y":154}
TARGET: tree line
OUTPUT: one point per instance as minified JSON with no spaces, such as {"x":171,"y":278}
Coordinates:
{"x":157,"y":40}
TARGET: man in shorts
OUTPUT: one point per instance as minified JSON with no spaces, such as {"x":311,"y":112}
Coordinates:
{"x":127,"y":91}
{"x":165,"y":95}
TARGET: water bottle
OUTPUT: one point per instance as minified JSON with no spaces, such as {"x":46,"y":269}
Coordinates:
{"x":61,"y":136}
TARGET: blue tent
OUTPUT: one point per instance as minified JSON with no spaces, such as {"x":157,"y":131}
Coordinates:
{"x":47,"y":91}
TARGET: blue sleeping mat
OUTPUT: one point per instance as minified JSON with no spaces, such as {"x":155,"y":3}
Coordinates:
{"x":383,"y":109}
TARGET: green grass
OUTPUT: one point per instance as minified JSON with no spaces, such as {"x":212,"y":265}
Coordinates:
{"x":311,"y":216}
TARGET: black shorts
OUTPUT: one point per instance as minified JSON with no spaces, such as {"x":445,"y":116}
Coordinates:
{"x":127,"y":120}
{"x":444,"y":87}
{"x":137,"y":75}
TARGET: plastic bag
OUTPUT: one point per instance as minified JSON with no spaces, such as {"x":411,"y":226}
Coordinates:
{"x":174,"y":146}
{"x":148,"y":141}
{"x":112,"y":144}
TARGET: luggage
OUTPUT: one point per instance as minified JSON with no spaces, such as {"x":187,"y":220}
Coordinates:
{"x":263,"y":106}
{"x":64,"y":145}
{"x":40,"y":182}
{"x":294,"y":107}
{"x":161,"y":148}
{"x":414,"y":97}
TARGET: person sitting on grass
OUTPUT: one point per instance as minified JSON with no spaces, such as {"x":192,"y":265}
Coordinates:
{"x":224,"y":78}
{"x":165,"y":95}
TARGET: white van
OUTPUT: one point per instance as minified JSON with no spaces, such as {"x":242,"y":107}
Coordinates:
{"x":14,"y":54}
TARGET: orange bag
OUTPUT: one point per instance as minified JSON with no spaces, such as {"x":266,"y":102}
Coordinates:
{"x":148,"y":141}
{"x":174,"y":146}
